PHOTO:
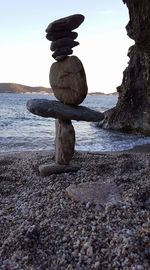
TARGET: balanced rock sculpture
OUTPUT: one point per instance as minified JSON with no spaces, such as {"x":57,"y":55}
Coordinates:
{"x":68,"y":81}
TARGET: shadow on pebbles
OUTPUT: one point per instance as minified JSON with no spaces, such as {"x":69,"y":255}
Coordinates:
{"x":96,"y":218}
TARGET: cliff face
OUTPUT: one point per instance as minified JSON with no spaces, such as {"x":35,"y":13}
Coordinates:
{"x":132,"y":112}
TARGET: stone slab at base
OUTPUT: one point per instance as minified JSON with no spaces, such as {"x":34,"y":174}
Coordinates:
{"x":48,"y":169}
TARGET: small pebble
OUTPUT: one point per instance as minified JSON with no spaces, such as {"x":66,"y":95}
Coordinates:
{"x":89,"y":251}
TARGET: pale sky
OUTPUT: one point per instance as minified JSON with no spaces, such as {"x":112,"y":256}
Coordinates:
{"x":25,"y":55}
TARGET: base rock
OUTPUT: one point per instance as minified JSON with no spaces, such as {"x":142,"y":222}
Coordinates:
{"x":48,"y":169}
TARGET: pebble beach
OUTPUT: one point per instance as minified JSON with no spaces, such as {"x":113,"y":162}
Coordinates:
{"x":42,"y":228}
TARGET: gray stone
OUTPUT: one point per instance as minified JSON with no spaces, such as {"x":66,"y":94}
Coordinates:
{"x":64,"y":141}
{"x":48,"y":169}
{"x":63,"y":42}
{"x":61,"y":54}
{"x":94,"y":192}
{"x":58,"y":110}
{"x":65,"y":24}
{"x":68,"y":80}
{"x":57,"y":35}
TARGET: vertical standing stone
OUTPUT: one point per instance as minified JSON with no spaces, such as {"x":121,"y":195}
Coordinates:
{"x":64,"y":142}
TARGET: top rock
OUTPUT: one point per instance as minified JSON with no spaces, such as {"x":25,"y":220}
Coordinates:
{"x":65,"y":24}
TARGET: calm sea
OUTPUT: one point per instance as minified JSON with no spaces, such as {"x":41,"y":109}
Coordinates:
{"x":23,"y":131}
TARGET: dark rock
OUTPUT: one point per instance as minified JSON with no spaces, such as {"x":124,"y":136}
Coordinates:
{"x":57,"y":35}
{"x":132,"y":112}
{"x":60,"y":57}
{"x":64,"y":141}
{"x":58,"y":110}
{"x":139,"y":23}
{"x":68,"y":80}
{"x":48,"y":169}
{"x":65,"y":24}
{"x":63,"y":42}
{"x":62,"y":52}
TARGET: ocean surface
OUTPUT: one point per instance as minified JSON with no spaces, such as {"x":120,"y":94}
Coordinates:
{"x":23,"y":131}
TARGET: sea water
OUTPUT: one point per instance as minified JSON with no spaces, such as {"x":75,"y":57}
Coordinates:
{"x":22,"y":131}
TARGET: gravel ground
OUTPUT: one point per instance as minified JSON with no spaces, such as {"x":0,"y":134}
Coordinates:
{"x":41,"y":228}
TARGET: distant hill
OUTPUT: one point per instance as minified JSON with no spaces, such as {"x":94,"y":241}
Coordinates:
{"x":19,"y":88}
{"x":101,"y":93}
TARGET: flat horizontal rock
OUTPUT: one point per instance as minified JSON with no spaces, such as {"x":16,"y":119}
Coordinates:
{"x":94,"y":192}
{"x":63,"y":42}
{"x":48,"y":169}
{"x":57,"y":35}
{"x":65,"y":24}
{"x":58,"y":110}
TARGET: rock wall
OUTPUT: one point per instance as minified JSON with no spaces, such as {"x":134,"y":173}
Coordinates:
{"x":132,"y":112}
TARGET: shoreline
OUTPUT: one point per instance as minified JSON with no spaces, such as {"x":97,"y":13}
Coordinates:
{"x":42,"y":228}
{"x":144,"y":148}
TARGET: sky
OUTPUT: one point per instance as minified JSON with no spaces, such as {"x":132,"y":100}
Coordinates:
{"x":25,"y":55}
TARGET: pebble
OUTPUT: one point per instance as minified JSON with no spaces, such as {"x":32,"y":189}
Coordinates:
{"x":89,"y":251}
{"x":97,"y":265}
{"x":47,"y":224}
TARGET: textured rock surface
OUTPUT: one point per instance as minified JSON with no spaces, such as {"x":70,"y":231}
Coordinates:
{"x":58,"y":110}
{"x":64,"y":141}
{"x":49,"y":169}
{"x":68,"y":80}
{"x":65,"y":24}
{"x":94,"y":192}
{"x":132,"y":112}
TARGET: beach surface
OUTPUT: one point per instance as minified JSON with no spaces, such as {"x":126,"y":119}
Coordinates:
{"x":42,"y":228}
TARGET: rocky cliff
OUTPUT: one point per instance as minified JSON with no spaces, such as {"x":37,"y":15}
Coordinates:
{"x":132,"y":112}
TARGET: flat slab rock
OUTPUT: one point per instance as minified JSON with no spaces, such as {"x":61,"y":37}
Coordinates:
{"x":48,"y":169}
{"x":94,"y":192}
{"x":58,"y":110}
{"x":65,"y":24}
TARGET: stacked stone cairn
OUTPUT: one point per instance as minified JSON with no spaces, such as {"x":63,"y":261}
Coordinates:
{"x":68,"y":81}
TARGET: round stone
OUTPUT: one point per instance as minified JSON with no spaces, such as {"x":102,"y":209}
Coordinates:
{"x":68,"y":80}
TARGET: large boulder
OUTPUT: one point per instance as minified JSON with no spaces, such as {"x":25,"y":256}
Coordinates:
{"x":68,"y":80}
{"x":132,"y":112}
